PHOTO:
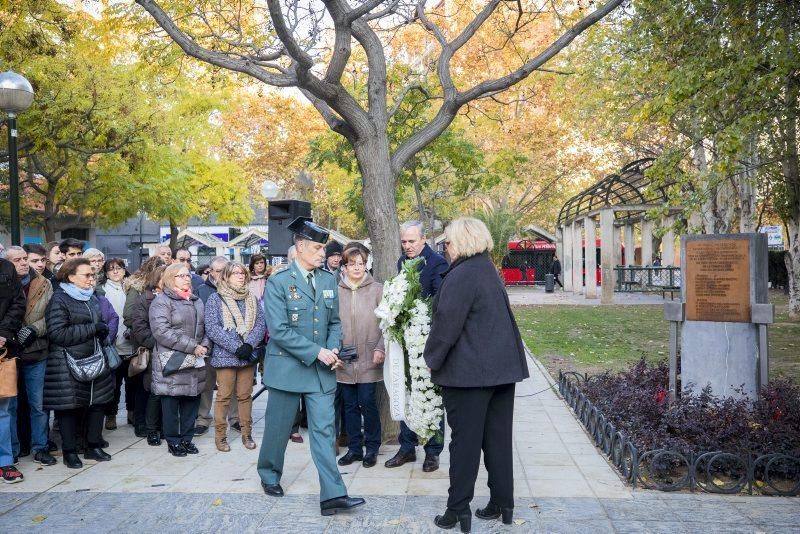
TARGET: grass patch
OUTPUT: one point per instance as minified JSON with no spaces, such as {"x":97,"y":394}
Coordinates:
{"x":592,"y":339}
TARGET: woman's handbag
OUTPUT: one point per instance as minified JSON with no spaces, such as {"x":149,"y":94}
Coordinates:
{"x":89,"y":368}
{"x":139,"y":361}
{"x":173,"y":361}
{"x":113,"y":357}
{"x":8,"y":375}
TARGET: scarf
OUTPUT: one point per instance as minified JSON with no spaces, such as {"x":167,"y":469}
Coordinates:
{"x":25,"y":280}
{"x":77,"y":293}
{"x":184,"y":294}
{"x":232,"y":318}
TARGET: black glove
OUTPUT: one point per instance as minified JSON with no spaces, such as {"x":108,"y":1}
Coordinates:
{"x":244,"y":352}
{"x":100,"y":330}
{"x":26,"y":336}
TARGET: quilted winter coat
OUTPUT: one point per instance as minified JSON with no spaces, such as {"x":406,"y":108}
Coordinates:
{"x":70,"y":326}
{"x":177,"y":324}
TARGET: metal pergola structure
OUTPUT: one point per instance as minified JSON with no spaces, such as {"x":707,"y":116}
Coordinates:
{"x":631,"y":192}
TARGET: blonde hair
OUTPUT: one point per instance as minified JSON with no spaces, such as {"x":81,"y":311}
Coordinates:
{"x":168,"y":278}
{"x":467,"y":236}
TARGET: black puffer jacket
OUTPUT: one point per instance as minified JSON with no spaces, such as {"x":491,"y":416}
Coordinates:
{"x":70,"y":326}
{"x":141,"y":335}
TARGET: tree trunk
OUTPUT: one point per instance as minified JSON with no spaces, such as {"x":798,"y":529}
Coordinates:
{"x":173,"y":236}
{"x":792,"y":259}
{"x":380,"y":207}
{"x":381,"y":214}
{"x":747,"y":189}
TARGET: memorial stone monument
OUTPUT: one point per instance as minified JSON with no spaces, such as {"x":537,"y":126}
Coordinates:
{"x":724,"y":313}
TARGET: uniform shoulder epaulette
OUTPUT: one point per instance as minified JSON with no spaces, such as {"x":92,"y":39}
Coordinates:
{"x":281,"y":272}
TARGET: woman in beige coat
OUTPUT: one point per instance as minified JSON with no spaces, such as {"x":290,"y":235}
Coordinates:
{"x":359,"y":295}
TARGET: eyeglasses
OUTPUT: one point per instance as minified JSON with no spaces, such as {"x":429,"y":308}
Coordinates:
{"x":184,"y":275}
{"x":238,"y":273}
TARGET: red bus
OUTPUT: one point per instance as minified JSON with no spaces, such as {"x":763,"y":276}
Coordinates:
{"x":528,"y":261}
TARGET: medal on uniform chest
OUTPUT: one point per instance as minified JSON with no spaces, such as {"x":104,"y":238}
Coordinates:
{"x":327,"y":293}
{"x":295,"y":317}
{"x":293,"y":293}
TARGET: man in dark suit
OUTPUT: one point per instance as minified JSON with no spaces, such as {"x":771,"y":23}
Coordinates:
{"x":412,"y":240}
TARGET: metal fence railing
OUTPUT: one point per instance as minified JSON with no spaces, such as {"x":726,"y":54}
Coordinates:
{"x":643,"y":279}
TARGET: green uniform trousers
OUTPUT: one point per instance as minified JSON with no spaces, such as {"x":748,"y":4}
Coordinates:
{"x":280,"y":414}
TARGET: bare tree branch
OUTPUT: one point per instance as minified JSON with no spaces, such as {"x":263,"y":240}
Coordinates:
{"x":209,"y":56}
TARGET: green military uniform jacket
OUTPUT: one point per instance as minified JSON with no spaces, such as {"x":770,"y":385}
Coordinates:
{"x":301,"y":321}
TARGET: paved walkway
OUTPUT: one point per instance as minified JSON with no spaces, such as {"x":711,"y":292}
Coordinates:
{"x":562,"y":485}
{"x":528,"y":295}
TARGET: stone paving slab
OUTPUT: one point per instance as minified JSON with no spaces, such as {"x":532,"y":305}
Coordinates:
{"x":562,"y":484}
{"x":217,"y":512}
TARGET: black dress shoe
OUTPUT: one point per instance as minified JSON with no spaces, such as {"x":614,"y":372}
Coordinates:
{"x":340,"y":504}
{"x":350,"y":457}
{"x":177,"y":450}
{"x":199,"y":430}
{"x":492,"y":511}
{"x":96,"y":453}
{"x":401,"y":458}
{"x":451,"y":519}
{"x":431,"y":463}
{"x":370,"y":460}
{"x":189,"y":447}
{"x":273,"y":490}
{"x":72,"y":460}
{"x":153,"y":439}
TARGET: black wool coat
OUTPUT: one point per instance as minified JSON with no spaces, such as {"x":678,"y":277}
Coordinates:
{"x":12,"y":302}
{"x":71,"y":327}
{"x":474,"y":340}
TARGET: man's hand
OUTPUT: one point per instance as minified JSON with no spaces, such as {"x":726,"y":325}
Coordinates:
{"x":200,"y":351}
{"x":378,"y":357}
{"x":330,"y":357}
{"x":2,"y":342}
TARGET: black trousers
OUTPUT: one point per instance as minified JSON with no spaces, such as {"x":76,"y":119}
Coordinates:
{"x":557,"y":281}
{"x":480,"y":419}
{"x":178,"y":415}
{"x":71,"y":425}
{"x":120,"y":374}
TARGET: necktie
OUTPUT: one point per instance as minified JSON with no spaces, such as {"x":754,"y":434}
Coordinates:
{"x":310,"y":279}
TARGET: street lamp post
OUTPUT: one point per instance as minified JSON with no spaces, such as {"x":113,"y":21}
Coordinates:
{"x":16,"y":95}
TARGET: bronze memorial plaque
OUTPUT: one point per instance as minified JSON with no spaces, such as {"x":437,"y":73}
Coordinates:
{"x":718,"y":280}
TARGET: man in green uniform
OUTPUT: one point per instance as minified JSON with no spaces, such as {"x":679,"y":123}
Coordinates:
{"x":302,"y":306}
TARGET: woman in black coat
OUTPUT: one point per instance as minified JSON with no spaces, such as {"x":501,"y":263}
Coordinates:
{"x":75,"y":325}
{"x":147,"y":404}
{"x":476,"y":355}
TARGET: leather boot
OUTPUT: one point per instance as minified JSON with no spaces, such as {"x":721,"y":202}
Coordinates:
{"x":221,"y":441}
{"x":248,"y":442}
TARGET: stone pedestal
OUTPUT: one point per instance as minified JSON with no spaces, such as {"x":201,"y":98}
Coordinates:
{"x":725,"y":294}
{"x":607,"y":256}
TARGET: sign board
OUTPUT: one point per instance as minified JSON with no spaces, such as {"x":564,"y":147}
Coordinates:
{"x":774,"y":236}
{"x":718,"y":280}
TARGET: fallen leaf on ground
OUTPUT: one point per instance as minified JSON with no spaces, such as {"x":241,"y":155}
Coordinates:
{"x":216,"y":502}
{"x":38,"y":518}
{"x":519,"y":521}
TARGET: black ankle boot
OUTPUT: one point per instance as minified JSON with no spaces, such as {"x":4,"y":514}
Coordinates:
{"x":492,"y":511}
{"x":451,"y":518}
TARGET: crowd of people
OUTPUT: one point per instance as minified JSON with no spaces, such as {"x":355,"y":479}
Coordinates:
{"x":83,"y":327}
